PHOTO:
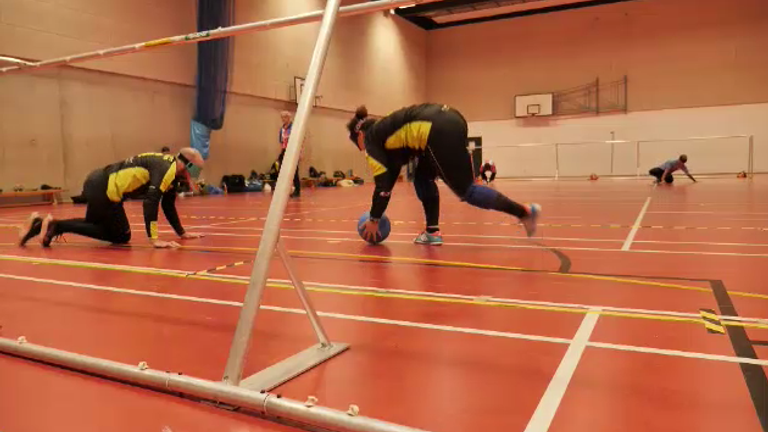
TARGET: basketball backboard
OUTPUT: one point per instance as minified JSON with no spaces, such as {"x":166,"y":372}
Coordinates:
{"x":540,"y":104}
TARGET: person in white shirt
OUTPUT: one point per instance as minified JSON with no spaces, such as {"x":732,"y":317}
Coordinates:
{"x":665,"y":170}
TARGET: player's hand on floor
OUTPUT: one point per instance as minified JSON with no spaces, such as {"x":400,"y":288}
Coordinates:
{"x":161,"y":244}
{"x":189,"y":236}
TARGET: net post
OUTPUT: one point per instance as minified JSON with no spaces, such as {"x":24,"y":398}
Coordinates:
{"x":242,"y":337}
{"x":637,"y":158}
{"x":557,"y":161}
{"x":613,"y":150}
{"x":298,"y":285}
{"x":751,"y":160}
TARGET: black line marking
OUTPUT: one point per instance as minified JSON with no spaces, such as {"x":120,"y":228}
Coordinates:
{"x":636,"y":276}
{"x":754,"y":375}
{"x":760,"y":343}
{"x":565,"y":260}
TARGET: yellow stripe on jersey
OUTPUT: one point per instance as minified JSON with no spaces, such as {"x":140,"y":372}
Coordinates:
{"x":376,"y":166}
{"x":125,"y":181}
{"x":168,"y":178}
{"x":166,"y":157}
{"x":412,"y":135}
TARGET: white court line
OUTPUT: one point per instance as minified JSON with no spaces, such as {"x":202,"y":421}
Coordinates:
{"x":411,"y":324}
{"x":249,"y":208}
{"x":511,"y":246}
{"x":705,"y":212}
{"x":478,"y":298}
{"x":650,"y":251}
{"x":327,"y":209}
{"x":506,"y":300}
{"x":500,"y":237}
{"x":702,"y":243}
{"x":360,"y":318}
{"x":550,"y":402}
{"x":213,"y":225}
{"x":411,"y":234}
{"x":20,"y":258}
{"x":636,"y":226}
{"x":678,"y":353}
{"x":519,"y":246}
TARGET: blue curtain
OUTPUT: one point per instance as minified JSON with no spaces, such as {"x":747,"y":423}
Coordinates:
{"x":213,"y":65}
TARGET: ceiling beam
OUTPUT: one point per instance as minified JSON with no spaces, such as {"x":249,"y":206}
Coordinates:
{"x":429,"y":24}
{"x":434,"y":6}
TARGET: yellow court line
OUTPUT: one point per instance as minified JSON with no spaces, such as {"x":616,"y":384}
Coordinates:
{"x":353,"y":292}
{"x":500,"y":267}
{"x":577,"y":310}
{"x":460,"y":264}
{"x":490,"y":267}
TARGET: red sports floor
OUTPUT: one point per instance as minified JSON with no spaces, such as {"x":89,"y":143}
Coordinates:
{"x":490,"y":332}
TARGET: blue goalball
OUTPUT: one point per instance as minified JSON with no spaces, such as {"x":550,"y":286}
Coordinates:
{"x":384,"y":228}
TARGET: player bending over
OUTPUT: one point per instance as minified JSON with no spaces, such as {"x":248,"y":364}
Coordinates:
{"x":436,"y":137}
{"x":153,"y":176}
{"x":665,"y":170}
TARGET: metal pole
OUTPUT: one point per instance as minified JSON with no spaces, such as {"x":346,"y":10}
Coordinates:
{"x":14,"y":60}
{"x":626,"y":94}
{"x":637,"y":158}
{"x":597,"y":95}
{"x":242,"y":338}
{"x":557,"y":161}
{"x":751,"y":159}
{"x":322,"y":336}
{"x":612,"y":151}
{"x":356,"y":9}
{"x":264,"y":403}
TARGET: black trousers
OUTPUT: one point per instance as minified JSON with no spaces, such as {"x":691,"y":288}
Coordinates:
{"x":104,"y":220}
{"x":296,"y":180}
{"x":446,"y":156}
{"x":658,"y":172}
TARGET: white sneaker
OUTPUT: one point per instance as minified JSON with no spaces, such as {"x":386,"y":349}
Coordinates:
{"x":529,"y":222}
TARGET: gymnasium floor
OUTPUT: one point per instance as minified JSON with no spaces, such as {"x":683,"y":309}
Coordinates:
{"x":595,"y":326}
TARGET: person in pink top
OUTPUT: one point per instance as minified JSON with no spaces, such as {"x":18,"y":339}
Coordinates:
{"x":285,"y":133}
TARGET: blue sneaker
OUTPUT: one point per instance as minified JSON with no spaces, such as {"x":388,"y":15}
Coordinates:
{"x":425,"y":238}
{"x":529,"y":222}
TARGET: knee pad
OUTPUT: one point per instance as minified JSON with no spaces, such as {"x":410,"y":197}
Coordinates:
{"x":481,"y":196}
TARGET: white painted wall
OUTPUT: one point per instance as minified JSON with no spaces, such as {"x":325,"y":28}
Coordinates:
{"x":663,"y":127}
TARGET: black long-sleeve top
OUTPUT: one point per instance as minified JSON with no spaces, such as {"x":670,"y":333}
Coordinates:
{"x":152,"y":176}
